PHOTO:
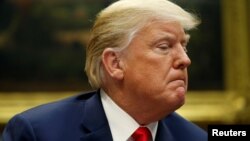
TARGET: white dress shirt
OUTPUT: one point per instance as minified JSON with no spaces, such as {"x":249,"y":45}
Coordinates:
{"x":121,"y":124}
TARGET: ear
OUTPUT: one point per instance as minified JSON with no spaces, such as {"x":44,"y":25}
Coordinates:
{"x":112,"y":63}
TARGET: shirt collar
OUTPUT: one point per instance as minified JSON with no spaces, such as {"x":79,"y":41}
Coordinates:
{"x":122,"y":125}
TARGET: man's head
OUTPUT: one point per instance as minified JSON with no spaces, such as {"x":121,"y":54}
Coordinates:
{"x":137,"y":50}
{"x":116,"y":26}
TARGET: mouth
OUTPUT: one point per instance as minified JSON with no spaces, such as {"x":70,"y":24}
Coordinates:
{"x":180,"y":88}
{"x":179,"y":85}
{"x":180,"y":82}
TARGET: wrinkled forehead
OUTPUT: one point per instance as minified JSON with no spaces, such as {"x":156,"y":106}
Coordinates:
{"x":169,"y":28}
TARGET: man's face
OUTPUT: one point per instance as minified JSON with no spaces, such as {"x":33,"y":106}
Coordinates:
{"x":155,"y":65}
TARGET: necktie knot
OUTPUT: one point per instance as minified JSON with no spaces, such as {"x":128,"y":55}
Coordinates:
{"x":142,"y":134}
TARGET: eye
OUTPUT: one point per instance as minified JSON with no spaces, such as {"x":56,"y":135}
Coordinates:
{"x":163,"y":47}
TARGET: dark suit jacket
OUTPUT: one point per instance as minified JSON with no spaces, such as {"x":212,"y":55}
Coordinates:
{"x":82,"y":118}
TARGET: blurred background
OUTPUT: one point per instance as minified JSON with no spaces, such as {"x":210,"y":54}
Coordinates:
{"x":42,"y":56}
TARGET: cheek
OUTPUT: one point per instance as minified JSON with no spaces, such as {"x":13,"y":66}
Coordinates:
{"x":147,"y":69}
{"x":150,"y":75}
{"x":158,"y":70}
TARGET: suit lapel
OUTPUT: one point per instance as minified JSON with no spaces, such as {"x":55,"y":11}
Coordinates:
{"x":95,"y":124}
{"x":163,"y":132}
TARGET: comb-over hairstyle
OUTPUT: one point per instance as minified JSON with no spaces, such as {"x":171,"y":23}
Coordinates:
{"x":116,"y":26}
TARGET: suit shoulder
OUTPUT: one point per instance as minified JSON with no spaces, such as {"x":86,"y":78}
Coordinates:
{"x":34,"y":123}
{"x":57,"y":108}
{"x":188,"y":130}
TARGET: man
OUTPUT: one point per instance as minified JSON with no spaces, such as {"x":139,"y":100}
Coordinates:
{"x":137,"y":61}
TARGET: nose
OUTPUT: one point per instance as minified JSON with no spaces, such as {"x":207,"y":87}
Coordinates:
{"x":181,"y":60}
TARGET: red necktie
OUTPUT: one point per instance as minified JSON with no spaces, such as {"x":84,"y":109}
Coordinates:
{"x":142,"y":134}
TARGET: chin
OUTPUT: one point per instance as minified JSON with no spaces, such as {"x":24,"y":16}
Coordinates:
{"x":180,"y":102}
{"x":181,"y":97}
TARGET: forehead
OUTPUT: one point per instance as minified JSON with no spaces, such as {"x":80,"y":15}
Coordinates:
{"x":160,"y":28}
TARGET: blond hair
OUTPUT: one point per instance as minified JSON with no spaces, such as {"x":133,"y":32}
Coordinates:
{"x":116,"y":26}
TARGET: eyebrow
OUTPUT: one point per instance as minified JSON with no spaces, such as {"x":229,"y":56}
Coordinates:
{"x":169,"y":36}
{"x":165,"y":36}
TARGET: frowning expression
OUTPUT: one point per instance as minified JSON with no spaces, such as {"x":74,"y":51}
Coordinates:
{"x":155,"y":65}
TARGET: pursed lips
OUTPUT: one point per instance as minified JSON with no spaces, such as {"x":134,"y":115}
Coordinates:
{"x":181,"y":78}
{"x":181,"y":81}
{"x":178,"y":82}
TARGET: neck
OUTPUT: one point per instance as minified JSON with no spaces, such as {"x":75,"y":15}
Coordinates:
{"x":143,"y":113}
